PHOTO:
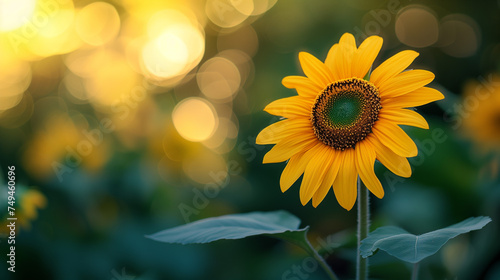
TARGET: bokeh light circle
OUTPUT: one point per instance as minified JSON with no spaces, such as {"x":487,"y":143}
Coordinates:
{"x":195,"y":119}
{"x":218,"y":78}
{"x":97,"y":23}
{"x":417,"y":26}
{"x":15,"y":13}
{"x":226,"y":13}
{"x":15,"y":78}
{"x":176,"y":45}
{"x":165,"y":62}
{"x":460,"y":35}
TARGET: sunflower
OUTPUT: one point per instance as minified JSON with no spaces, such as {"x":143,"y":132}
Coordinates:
{"x":341,"y":122}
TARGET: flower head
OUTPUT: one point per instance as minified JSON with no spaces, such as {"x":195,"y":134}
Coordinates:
{"x":340,"y":122}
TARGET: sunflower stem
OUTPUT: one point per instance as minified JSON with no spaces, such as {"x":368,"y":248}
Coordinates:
{"x":414,"y":274}
{"x":363,"y":229}
{"x":321,"y":262}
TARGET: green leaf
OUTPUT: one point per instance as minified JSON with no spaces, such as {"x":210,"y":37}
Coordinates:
{"x":280,"y":224}
{"x":413,"y":248}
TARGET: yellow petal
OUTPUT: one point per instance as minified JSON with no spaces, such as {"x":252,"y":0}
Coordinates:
{"x":330,"y":60}
{"x":415,"y":98}
{"x":405,"y":82}
{"x":396,"y":164}
{"x":288,"y":147}
{"x":304,"y":86}
{"x":348,"y":40}
{"x":314,"y":174}
{"x":342,"y":59}
{"x":290,"y":107}
{"x":333,"y":164}
{"x":392,"y":66}
{"x":395,"y":138}
{"x":345,"y":187}
{"x":365,"y":56}
{"x":365,"y":159}
{"x":282,"y":129}
{"x":315,"y":69}
{"x":404,"y":117}
{"x":296,"y":166}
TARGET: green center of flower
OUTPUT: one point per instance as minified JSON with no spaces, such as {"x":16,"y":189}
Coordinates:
{"x":345,"y":109}
{"x":345,"y":112}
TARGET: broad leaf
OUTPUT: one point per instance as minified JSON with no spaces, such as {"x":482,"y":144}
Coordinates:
{"x":413,"y":248}
{"x":280,"y":224}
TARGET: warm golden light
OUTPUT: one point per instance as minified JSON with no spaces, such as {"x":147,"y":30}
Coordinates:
{"x":460,"y":35}
{"x":195,"y":119}
{"x":75,"y":89}
{"x":97,"y":23}
{"x":224,"y":138}
{"x":176,"y":45}
{"x":417,"y":26}
{"x":262,"y":6}
{"x":252,"y":7}
{"x":244,"y":63}
{"x":219,"y":79}
{"x":15,"y":77}
{"x":224,"y":13}
{"x":15,"y":13}
{"x":18,"y":115}
{"x":84,"y":62}
{"x":113,"y":81}
{"x":50,"y":31}
{"x":61,"y":18}
{"x":65,"y":42}
{"x":244,"y":7}
{"x":168,"y":62}
{"x":205,"y":167}
{"x":102,"y":77}
{"x":48,"y":144}
{"x":164,"y":19}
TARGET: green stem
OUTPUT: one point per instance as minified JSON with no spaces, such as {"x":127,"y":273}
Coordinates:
{"x":414,"y":274}
{"x":363,"y":229}
{"x":321,"y":261}
{"x":306,"y":245}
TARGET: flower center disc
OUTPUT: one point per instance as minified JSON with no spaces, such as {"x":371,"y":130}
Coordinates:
{"x":344,"y":113}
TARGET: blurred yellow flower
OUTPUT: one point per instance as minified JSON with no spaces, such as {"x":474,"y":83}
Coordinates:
{"x":30,"y":201}
{"x":27,"y":203}
{"x":340,"y":123}
{"x":62,"y":146}
{"x":481,"y":120}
